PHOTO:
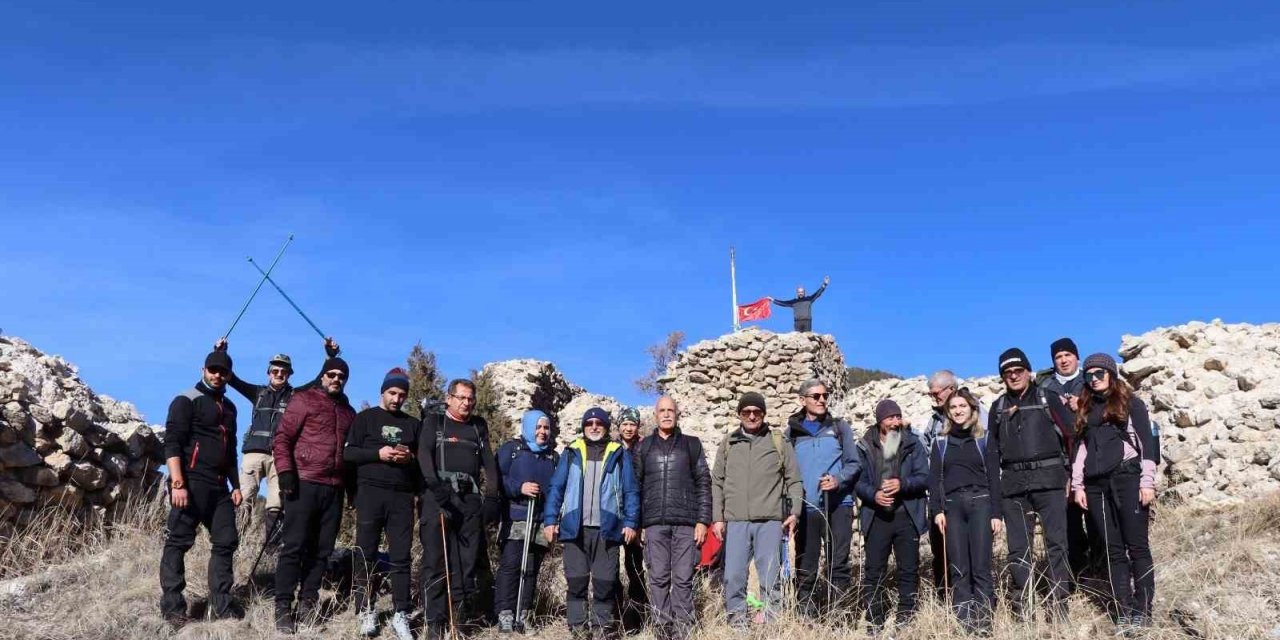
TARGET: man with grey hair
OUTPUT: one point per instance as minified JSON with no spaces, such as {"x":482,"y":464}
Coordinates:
{"x":826,"y":453}
{"x":942,"y":384}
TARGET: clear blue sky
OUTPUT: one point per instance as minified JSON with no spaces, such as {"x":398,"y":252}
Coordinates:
{"x":520,"y":179}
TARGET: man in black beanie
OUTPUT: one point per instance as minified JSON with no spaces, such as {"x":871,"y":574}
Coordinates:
{"x":200,"y":452}
{"x":308,"y":457}
{"x":1030,"y":435}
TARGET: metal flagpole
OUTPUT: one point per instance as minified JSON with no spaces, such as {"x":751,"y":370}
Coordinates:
{"x":733,"y":283}
{"x":255,"y":289}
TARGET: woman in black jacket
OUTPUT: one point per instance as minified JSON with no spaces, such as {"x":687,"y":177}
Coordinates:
{"x":1113,"y":477}
{"x":964,"y":492}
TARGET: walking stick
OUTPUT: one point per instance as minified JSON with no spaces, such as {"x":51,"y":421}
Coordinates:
{"x":265,"y":275}
{"x":946,"y":566}
{"x":448,"y":586}
{"x":266,"y":542}
{"x":524,"y":560}
{"x":826,"y":542}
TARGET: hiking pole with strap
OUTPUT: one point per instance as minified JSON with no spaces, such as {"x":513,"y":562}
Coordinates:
{"x":265,"y":276}
{"x":448,"y":585}
{"x":524,"y":560}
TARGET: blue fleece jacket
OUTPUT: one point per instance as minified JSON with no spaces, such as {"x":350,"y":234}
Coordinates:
{"x":832,"y":449}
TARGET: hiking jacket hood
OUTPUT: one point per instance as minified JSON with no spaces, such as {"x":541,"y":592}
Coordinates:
{"x":619,"y":493}
{"x":311,"y":436}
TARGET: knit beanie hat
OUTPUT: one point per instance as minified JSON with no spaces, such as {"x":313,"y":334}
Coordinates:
{"x":751,"y":399}
{"x":1063,"y":344}
{"x":1014,"y":358}
{"x":336,"y":363}
{"x":218,"y":359}
{"x":629,"y":414}
{"x":596,"y":413}
{"x":886,"y":408}
{"x":1102,"y":361}
{"x":395,"y":378}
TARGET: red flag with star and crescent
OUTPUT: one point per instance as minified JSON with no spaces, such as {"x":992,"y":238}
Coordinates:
{"x":758,"y":310}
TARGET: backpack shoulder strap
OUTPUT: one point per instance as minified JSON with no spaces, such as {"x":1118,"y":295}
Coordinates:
{"x":776,"y":436}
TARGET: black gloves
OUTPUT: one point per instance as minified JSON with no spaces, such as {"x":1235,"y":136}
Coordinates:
{"x":288,"y":481}
{"x":443,"y":494}
{"x":492,"y":512}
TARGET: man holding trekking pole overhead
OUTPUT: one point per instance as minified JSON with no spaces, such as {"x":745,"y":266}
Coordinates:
{"x":269,"y":403}
{"x":308,"y":458}
{"x":460,"y":480}
{"x":381,"y":445}
{"x":826,"y":452}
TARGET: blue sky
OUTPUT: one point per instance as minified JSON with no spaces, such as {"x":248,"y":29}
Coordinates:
{"x":557,"y":181}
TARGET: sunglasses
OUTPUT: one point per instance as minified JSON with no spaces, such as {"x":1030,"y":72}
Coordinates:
{"x":219,"y":371}
{"x":751,"y":412}
{"x":1013,"y":372}
{"x":818,"y":396}
{"x":335,"y":375}
{"x":1097,"y":374}
{"x":278,"y":371}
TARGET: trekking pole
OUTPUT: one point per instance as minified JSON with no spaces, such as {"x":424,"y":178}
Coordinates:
{"x":448,"y":586}
{"x":524,"y":560}
{"x":946,"y":566}
{"x":826,"y":542}
{"x":265,"y":276}
{"x":266,"y":542}
{"x":286,"y":297}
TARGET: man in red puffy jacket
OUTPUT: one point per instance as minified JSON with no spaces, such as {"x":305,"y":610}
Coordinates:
{"x":308,"y":457}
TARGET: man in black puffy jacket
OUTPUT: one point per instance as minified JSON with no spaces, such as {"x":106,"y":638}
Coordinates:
{"x":675,"y":489}
{"x":200,"y":451}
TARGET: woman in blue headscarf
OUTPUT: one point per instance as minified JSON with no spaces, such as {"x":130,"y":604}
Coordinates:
{"x":526,"y":464}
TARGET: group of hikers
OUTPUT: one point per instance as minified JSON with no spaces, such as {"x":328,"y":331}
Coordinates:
{"x":1073,"y":453}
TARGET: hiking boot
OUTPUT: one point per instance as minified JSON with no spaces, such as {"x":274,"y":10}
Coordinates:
{"x":368,"y":622}
{"x":400,"y":626}
{"x":284,"y":621}
{"x":506,"y":621}
{"x":177,"y":619}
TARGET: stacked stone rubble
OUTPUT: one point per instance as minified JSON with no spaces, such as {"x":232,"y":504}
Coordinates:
{"x":63,"y":445}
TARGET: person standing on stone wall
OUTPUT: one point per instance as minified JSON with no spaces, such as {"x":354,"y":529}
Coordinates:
{"x":826,"y":453}
{"x":941,"y":386}
{"x":461,"y":482}
{"x":526,"y":464}
{"x":593,"y":508}
{"x":757,"y":495}
{"x":200,"y":452}
{"x":1114,"y":479}
{"x":1030,"y":437}
{"x":802,"y":305}
{"x":381,"y":445}
{"x":675,"y":491}
{"x":637,"y":598}
{"x":269,"y":403}
{"x":892,"y":486}
{"x":308,"y":457}
{"x":1084,"y":545}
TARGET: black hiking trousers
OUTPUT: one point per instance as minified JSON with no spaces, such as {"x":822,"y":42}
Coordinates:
{"x":891,"y":532}
{"x":1020,"y":514}
{"x":969,"y":555}
{"x":465,"y":541}
{"x":812,"y":568}
{"x":1115,"y":510}
{"x":311,"y":519}
{"x":208,"y":505}
{"x":380,"y":509}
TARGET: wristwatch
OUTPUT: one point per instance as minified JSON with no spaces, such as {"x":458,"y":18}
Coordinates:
{"x":177,"y":484}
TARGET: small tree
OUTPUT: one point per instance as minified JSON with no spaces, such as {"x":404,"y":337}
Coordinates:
{"x":426,"y":383}
{"x":662,"y":354}
{"x":857,"y":376}
{"x":487,"y":394}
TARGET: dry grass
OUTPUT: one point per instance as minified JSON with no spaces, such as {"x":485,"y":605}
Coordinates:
{"x":1218,"y":576}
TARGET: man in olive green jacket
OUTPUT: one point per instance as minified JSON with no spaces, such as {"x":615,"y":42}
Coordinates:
{"x":757,"y":495}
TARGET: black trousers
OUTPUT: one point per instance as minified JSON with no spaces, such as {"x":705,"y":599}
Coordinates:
{"x":1084,"y":544}
{"x":464,"y":540}
{"x":969,"y":554}
{"x":936,"y":565}
{"x":209,"y":506}
{"x":590,"y":561}
{"x":811,"y":568}
{"x":1020,"y":514}
{"x":1115,"y":510}
{"x":891,"y":532}
{"x":804,"y":325}
{"x":508,"y":578}
{"x":380,"y":509}
{"x":311,"y":519}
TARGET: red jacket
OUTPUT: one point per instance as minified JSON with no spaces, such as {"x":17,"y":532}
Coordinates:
{"x":311,"y":435}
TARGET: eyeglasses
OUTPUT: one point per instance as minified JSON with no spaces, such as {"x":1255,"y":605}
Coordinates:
{"x":463,"y":399}
{"x":751,"y":412}
{"x":1097,"y":374}
{"x":818,"y":396}
{"x":335,"y":375}
{"x":941,"y":391}
{"x":593,"y":423}
{"x":1013,"y":372}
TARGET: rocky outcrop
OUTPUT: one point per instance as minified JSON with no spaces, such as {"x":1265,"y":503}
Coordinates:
{"x":63,"y":445}
{"x":535,"y":384}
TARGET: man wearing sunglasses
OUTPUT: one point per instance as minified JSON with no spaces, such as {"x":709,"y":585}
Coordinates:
{"x":200,"y":452}
{"x":756,"y":497}
{"x":826,"y":453}
{"x":1030,"y":437}
{"x":308,"y":456}
{"x":269,"y":403}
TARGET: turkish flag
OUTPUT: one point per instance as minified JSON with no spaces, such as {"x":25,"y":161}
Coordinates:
{"x":759,"y":310}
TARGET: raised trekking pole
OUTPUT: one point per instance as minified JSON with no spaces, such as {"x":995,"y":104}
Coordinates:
{"x":286,"y":297}
{"x":524,"y":561}
{"x":265,"y":275}
{"x":448,"y":586}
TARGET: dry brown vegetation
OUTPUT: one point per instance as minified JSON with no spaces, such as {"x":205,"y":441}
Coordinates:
{"x":1218,"y":576}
